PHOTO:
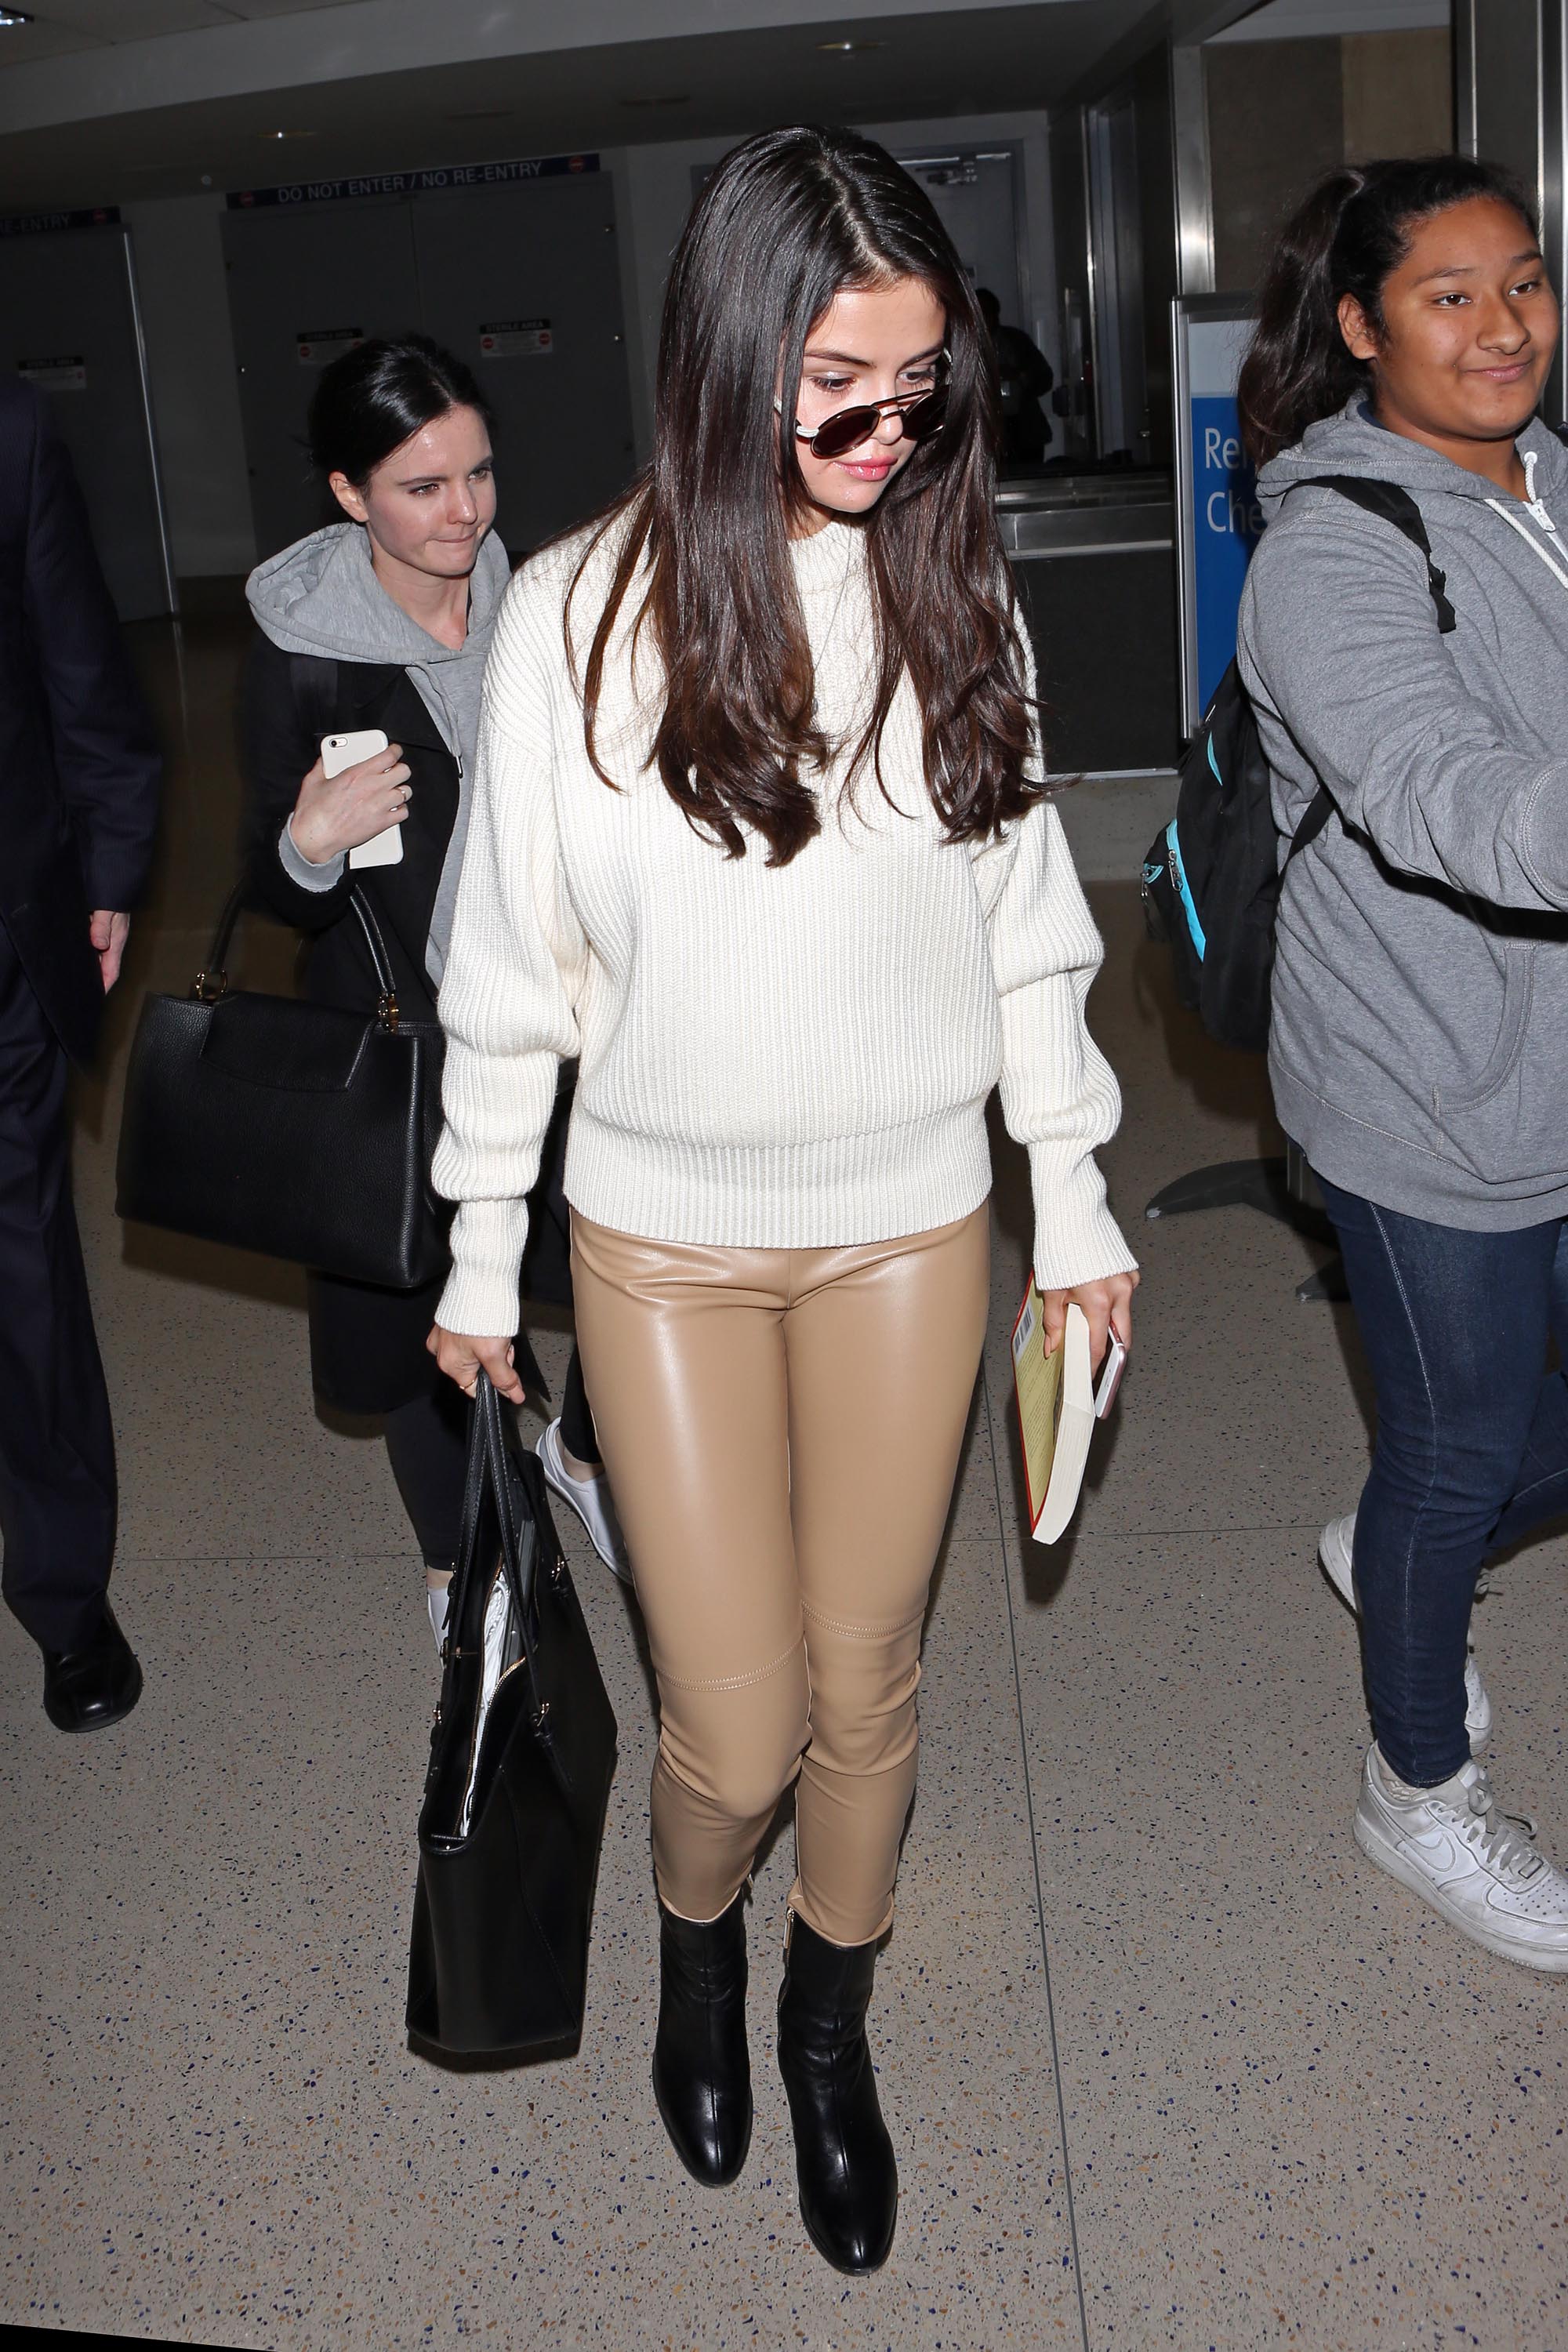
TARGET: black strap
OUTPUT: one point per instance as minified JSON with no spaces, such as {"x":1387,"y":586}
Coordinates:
{"x":488,"y":1470}
{"x":1395,"y":505}
{"x":317,"y":691}
{"x":314,"y":679}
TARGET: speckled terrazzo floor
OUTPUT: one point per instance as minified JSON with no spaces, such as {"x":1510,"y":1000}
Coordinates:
{"x":1239,"y":2093}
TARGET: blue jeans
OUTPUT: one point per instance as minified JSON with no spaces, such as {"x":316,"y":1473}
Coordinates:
{"x":1471,"y":1450}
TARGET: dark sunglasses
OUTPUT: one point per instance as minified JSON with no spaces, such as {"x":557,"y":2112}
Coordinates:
{"x":920,"y":414}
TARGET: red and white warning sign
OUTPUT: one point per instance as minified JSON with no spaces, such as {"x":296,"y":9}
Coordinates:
{"x":515,"y":338}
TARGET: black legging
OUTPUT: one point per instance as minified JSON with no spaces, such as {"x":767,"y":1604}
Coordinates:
{"x":578,"y":1434}
{"x":427,"y":1443}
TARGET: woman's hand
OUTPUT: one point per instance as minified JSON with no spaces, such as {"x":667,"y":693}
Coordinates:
{"x":1104,"y":1303}
{"x":338,"y":813}
{"x":463,"y":1359}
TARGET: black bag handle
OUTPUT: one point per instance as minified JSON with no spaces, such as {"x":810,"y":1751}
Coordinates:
{"x":488,"y":1467}
{"x":212,"y":982}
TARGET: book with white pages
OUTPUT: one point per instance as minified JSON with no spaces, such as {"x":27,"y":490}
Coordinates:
{"x":1055,"y":1413}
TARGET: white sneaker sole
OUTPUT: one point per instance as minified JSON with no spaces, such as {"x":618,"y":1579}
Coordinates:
{"x":1334,"y":1560}
{"x":1379,"y":1846}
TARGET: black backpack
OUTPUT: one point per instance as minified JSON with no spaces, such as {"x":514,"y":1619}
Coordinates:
{"x":1212,"y":878}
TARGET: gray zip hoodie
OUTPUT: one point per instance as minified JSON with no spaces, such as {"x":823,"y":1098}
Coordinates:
{"x":1419,"y":1044}
{"x":321,"y":596}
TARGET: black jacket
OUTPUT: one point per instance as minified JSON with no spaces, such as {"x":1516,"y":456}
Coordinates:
{"x":80,"y":769}
{"x":284,"y":713}
{"x":367,"y":1345}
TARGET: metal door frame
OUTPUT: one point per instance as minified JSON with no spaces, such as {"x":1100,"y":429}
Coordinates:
{"x":1099,"y":217}
{"x":166,"y":547}
{"x":1550,"y":146}
{"x":1185,"y":307}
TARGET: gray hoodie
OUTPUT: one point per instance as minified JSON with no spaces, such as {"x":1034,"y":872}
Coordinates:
{"x":1419,"y":1045}
{"x":321,"y":596}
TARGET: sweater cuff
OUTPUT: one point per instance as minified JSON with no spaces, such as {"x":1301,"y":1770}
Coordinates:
{"x":1077,"y":1239}
{"x":300,"y":869}
{"x":481,"y":1297}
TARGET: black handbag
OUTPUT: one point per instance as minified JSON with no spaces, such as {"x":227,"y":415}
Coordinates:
{"x":521,"y":1758}
{"x":298,"y":1129}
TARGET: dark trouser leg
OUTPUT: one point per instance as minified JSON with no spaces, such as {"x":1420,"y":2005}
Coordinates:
{"x":1455,"y":1326}
{"x":427,"y":1443}
{"x":56,"y":1442}
{"x":578,"y":1434}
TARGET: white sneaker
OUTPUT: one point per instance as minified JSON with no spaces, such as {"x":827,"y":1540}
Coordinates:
{"x":1334,"y":1552}
{"x":436,"y":1601}
{"x":1479,"y":1867}
{"x":591,"y":1499}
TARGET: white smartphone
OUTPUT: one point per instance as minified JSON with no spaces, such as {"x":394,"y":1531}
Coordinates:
{"x":341,"y":751}
{"x":1110,"y":1373}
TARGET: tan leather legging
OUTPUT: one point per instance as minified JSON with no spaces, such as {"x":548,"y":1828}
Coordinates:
{"x":782,"y":1429}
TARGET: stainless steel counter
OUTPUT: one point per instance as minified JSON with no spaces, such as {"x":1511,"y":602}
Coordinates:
{"x":1104,"y":623}
{"x":1086,"y":514}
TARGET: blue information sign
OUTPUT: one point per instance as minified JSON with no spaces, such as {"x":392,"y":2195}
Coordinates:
{"x":1218,"y":517}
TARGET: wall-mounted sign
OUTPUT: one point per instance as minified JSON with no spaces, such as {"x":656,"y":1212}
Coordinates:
{"x":515,"y":338}
{"x":66,"y":373}
{"x":411,"y":184}
{"x":314,"y":346}
{"x":44,"y":224}
{"x":1218,"y":520}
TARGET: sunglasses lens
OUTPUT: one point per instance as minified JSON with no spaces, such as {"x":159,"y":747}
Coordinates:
{"x":852,"y":426}
{"x":927,"y":416}
{"x":845,"y":431}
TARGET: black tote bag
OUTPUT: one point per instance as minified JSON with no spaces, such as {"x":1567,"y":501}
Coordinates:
{"x":521,"y":1756}
{"x":297,"y":1130}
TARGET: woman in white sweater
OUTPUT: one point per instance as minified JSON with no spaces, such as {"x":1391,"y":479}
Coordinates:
{"x":758,"y":831}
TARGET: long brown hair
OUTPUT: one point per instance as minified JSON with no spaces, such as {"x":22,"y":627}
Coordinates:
{"x":788,"y":221}
{"x":1348,"y":237}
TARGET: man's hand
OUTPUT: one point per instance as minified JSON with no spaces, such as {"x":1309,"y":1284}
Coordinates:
{"x":463,"y":1359}
{"x":1104,"y":1303}
{"x":109,"y":933}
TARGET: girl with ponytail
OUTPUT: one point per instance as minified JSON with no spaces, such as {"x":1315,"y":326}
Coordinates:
{"x":1419,"y":1044}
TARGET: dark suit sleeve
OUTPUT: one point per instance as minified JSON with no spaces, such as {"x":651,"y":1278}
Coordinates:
{"x":276,"y":750}
{"x":105,"y":755}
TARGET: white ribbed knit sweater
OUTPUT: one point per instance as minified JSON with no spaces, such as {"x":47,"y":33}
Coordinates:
{"x":771,"y":1057}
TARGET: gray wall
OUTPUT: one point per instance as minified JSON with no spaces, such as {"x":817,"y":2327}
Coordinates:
{"x":196,"y":397}
{"x":190,"y":338}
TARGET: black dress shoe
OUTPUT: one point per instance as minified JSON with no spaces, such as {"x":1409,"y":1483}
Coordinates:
{"x":843,"y":2157}
{"x":88,"y":1688}
{"x":701,"y":2068}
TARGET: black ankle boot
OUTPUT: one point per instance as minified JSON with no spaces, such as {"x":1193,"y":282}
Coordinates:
{"x":701,"y":2069}
{"x":843,"y":2157}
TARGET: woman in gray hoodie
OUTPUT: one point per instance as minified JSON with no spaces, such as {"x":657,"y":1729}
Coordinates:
{"x":383,"y":621}
{"x":1419,"y":1046}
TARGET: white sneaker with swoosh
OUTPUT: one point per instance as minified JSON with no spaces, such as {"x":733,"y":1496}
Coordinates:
{"x":1480,"y":1868}
{"x":1334,"y":1551}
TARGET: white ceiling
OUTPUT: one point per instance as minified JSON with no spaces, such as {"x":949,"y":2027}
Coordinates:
{"x":62,"y":27}
{"x":1295,"y":20}
{"x":103,"y":127}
